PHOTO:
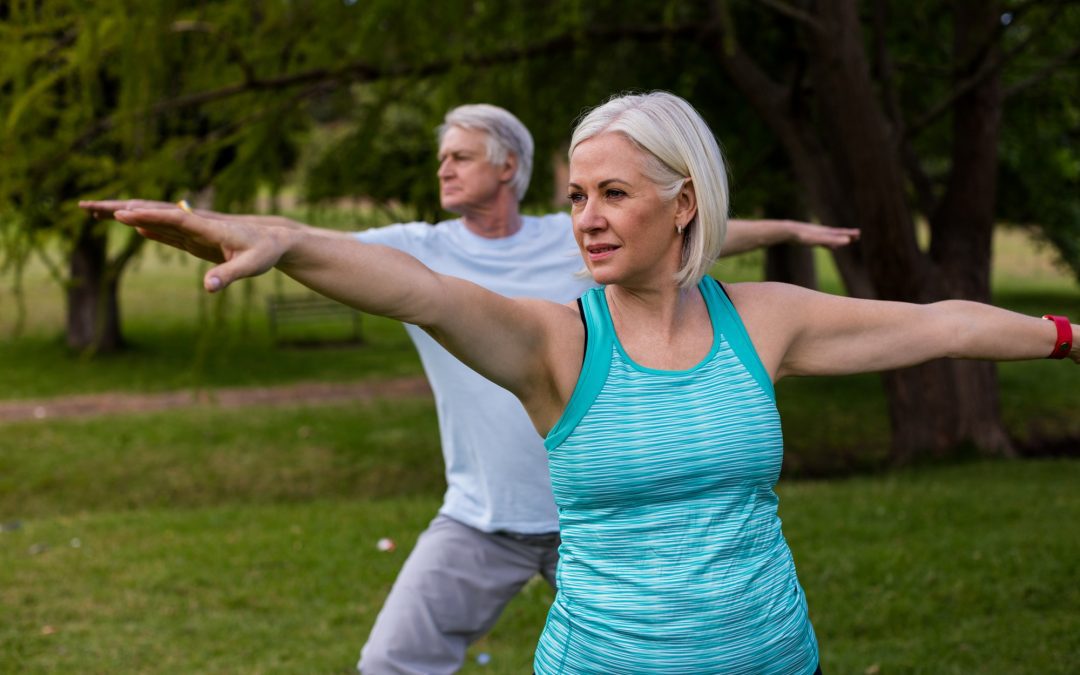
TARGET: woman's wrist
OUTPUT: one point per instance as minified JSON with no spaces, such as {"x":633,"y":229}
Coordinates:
{"x":1064,"y":339}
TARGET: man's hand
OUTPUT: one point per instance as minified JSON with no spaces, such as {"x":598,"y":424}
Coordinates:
{"x":810,"y":234}
{"x":747,"y":235}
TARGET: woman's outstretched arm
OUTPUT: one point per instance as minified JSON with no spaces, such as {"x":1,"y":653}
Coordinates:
{"x":518,"y":344}
{"x":801,"y":332}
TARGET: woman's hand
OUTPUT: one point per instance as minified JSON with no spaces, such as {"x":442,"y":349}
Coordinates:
{"x":107,"y":208}
{"x":240,"y":249}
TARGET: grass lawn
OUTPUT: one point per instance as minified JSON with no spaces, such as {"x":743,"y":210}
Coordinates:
{"x":202,"y":541}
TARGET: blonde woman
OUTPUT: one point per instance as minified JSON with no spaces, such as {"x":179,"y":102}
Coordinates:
{"x":654,"y":391}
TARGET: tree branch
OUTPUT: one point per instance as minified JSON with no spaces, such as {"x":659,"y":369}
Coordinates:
{"x":359,"y":71}
{"x":803,"y":17}
{"x":116,"y":266}
{"x":1043,"y":73}
{"x":986,"y":69}
{"x":924,"y":191}
{"x":234,"y":50}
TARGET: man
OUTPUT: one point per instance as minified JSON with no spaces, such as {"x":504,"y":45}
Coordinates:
{"x":498,"y":525}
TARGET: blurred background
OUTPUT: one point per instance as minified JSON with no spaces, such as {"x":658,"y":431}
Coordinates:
{"x":237,"y":531}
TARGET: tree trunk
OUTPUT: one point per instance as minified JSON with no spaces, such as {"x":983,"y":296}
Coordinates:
{"x":854,"y":175}
{"x":938,"y":408}
{"x":963,"y":224}
{"x":791,"y":264}
{"x":93,"y":318}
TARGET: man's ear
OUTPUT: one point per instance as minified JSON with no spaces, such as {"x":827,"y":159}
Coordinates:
{"x":509,"y":168}
{"x":685,"y":204}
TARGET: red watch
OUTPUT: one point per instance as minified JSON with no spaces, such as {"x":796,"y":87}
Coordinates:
{"x":1063,"y":344}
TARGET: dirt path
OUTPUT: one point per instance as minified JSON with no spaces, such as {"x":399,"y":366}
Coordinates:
{"x":90,"y":405}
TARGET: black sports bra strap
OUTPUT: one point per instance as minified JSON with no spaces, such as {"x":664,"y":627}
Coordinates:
{"x":581,"y":314}
{"x":722,"y":289}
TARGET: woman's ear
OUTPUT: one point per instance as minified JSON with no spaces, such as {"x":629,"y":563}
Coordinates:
{"x":685,"y":205}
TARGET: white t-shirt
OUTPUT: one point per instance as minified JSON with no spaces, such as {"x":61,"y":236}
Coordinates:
{"x":496,"y":466}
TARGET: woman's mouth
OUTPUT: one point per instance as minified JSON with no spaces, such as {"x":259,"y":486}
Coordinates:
{"x":600,"y":251}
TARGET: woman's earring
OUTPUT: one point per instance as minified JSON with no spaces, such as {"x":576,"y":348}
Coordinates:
{"x":680,"y":228}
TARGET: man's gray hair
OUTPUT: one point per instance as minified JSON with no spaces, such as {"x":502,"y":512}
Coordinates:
{"x":505,"y":134}
{"x":677,"y":145}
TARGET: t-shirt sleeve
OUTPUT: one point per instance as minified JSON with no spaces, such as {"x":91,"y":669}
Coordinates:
{"x":403,"y":236}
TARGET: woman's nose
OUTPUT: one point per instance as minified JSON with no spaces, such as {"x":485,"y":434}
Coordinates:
{"x":589,"y":219}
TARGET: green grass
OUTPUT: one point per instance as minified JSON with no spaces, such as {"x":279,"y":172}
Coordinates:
{"x":965,"y":569}
{"x":206,"y":541}
{"x":167,"y":356}
{"x":205,"y":456}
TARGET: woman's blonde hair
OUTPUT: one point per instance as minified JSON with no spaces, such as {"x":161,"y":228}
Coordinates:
{"x":677,"y":145}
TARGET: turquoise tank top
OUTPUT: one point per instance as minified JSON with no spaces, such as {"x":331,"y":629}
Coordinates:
{"x":672,"y":559}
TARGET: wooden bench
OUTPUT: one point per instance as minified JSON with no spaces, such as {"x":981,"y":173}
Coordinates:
{"x":310,"y":319}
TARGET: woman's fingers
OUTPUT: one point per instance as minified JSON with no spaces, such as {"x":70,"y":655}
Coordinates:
{"x":240,"y":250}
{"x":248,"y":263}
{"x":172,"y":220}
{"x":107,"y":208}
{"x":201,"y":237}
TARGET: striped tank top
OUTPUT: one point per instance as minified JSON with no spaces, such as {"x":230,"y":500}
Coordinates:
{"x":672,"y":559}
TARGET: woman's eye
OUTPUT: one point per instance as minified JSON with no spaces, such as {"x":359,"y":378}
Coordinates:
{"x":614,"y":193}
{"x":576,"y":197}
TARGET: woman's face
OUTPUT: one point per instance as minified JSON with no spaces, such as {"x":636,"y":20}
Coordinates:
{"x":625,"y":231}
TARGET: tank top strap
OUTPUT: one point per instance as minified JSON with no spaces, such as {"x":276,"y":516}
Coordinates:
{"x":726,"y":322}
{"x":600,"y":336}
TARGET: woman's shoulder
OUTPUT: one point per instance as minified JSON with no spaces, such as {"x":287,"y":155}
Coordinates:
{"x":743,"y":292}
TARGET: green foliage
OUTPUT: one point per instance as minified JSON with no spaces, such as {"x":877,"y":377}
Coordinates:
{"x":1040,"y":176}
{"x":385,"y":152}
{"x":159,"y":99}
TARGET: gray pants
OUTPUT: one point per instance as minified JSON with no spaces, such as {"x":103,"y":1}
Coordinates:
{"x":450,"y":592}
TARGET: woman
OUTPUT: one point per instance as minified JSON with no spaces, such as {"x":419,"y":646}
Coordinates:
{"x":654,"y":392}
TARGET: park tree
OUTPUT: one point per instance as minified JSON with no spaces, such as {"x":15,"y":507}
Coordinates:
{"x":94,"y":102}
{"x":889,"y":116}
{"x":877,"y":115}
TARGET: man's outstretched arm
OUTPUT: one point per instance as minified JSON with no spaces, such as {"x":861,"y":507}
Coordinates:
{"x":747,"y":235}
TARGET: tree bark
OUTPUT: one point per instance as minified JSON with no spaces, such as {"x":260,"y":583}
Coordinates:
{"x":938,"y":408}
{"x":853,"y":170}
{"x":791,"y":264}
{"x":93,"y":316}
{"x":962,"y":226}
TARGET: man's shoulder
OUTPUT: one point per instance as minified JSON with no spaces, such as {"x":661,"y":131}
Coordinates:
{"x":400,"y":235}
{"x":552,"y":225}
{"x":556,"y":218}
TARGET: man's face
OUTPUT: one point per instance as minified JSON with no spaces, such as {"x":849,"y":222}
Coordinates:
{"x":467,"y":180}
